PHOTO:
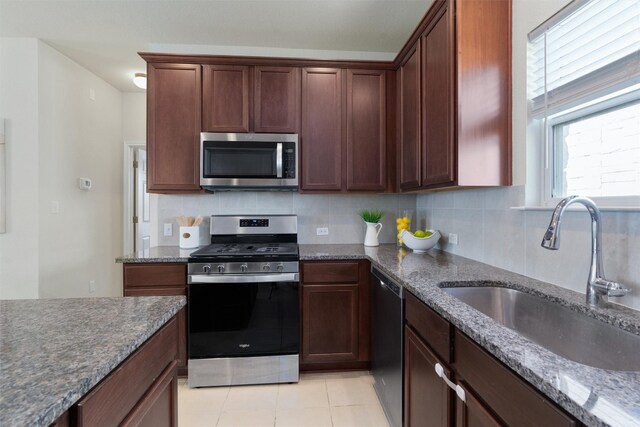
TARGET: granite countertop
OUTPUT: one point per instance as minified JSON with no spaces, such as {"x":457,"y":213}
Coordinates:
{"x":596,"y":397}
{"x":52,"y":352}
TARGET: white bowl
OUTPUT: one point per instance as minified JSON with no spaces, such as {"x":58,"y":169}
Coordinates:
{"x":420,"y":244}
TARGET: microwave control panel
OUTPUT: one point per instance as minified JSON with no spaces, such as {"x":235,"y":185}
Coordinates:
{"x":289,"y":161}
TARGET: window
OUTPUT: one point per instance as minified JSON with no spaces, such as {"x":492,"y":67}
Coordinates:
{"x":584,"y":95}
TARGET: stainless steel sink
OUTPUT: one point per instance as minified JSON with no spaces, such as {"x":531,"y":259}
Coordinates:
{"x":559,"y":329}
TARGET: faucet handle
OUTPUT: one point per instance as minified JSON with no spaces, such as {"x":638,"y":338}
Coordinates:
{"x":611,"y":288}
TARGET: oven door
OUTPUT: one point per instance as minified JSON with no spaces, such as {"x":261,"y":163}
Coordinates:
{"x":243,"y":315}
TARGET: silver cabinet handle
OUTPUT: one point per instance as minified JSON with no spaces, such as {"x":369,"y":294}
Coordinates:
{"x":459,"y":390}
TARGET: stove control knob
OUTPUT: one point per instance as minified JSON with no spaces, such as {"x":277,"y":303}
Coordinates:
{"x":280,"y":268}
{"x":221,"y":268}
{"x":244,"y":268}
{"x":206,"y":268}
{"x":266,"y":268}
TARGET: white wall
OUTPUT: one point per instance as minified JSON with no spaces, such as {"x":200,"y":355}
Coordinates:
{"x":79,"y":137}
{"x":489,"y":231}
{"x":134,"y":117}
{"x":19,"y":108}
{"x":56,"y":134}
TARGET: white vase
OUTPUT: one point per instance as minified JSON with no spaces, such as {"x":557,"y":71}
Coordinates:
{"x":371,"y":235}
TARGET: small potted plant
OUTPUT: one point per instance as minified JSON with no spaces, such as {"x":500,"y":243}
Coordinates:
{"x":372,"y":220}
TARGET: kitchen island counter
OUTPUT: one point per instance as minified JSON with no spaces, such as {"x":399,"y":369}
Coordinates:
{"x":52,"y":352}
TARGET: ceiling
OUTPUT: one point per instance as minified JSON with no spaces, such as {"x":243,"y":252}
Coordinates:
{"x":104,"y":36}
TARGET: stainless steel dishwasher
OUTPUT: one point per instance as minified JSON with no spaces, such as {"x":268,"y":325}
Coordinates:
{"x":387,"y":344}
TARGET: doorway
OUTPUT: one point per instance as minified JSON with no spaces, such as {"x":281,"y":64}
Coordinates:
{"x":137,"y":210}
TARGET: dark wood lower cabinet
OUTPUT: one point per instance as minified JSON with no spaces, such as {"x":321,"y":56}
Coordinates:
{"x":472,"y":413}
{"x":428,"y":401}
{"x":335,"y":313}
{"x":161,"y":279}
{"x":494,"y":395}
{"x":141,"y":391}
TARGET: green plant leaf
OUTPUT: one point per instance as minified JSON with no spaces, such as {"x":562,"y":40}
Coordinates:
{"x":373,"y":215}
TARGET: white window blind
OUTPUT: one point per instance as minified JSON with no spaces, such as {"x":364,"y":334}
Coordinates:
{"x":589,"y":49}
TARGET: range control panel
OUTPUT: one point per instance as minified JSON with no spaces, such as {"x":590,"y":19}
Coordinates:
{"x":254,"y":222}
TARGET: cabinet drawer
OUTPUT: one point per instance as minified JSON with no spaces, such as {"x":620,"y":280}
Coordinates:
{"x":429,"y":326}
{"x":113,"y":398}
{"x":510,"y":397}
{"x":153,"y":275}
{"x":330,"y":272}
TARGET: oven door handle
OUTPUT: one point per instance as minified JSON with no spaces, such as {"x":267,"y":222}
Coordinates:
{"x":243,"y":278}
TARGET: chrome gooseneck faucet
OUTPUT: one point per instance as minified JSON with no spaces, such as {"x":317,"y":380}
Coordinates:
{"x":598,"y":288}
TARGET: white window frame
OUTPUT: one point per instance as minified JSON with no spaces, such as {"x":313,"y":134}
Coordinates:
{"x":549,"y":150}
{"x":617,"y":89}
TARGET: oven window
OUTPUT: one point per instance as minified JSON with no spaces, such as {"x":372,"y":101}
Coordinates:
{"x":240,"y":160}
{"x":243,"y":319}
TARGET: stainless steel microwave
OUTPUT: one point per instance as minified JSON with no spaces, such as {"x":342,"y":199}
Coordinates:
{"x":248,"y":161}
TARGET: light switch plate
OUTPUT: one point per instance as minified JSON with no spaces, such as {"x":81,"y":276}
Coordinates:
{"x":168,"y":229}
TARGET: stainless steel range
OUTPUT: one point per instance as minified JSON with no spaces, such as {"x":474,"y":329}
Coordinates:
{"x":244,"y":307}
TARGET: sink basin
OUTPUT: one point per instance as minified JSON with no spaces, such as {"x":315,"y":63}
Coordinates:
{"x":559,"y":329}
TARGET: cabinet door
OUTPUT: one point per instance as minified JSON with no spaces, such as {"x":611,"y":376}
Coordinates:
{"x":330,"y":323}
{"x":173,"y":127}
{"x":438,"y":158}
{"x":473,"y":413}
{"x":366,"y":130}
{"x":410,"y":163}
{"x":225,"y":103}
{"x":277,"y":99}
{"x":427,"y":398}
{"x":510,"y":397}
{"x":322,"y":129}
{"x":158,"y":407}
{"x":159,"y":280}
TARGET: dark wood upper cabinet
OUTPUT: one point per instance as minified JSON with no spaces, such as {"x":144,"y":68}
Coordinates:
{"x":366,"y":130}
{"x":343,"y":137}
{"x":321,"y":137}
{"x":483,"y":61}
{"x":174,"y":95}
{"x":276,"y":99}
{"x":438,"y":154}
{"x":225,"y":103}
{"x":465,"y":109}
{"x":409,"y":93}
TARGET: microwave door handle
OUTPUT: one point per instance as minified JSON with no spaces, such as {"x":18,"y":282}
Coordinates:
{"x":279,"y":160}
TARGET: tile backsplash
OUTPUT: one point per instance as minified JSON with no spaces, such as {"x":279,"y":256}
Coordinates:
{"x":339,"y":212}
{"x":490,"y":231}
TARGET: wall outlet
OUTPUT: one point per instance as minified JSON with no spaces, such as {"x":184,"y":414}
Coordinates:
{"x":453,"y":239}
{"x":92,"y":94}
{"x":55,"y":207}
{"x":168,"y":229}
{"x":92,"y":286}
{"x":322,"y":231}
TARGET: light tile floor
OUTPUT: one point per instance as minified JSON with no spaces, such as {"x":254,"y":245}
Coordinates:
{"x":318,"y":400}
